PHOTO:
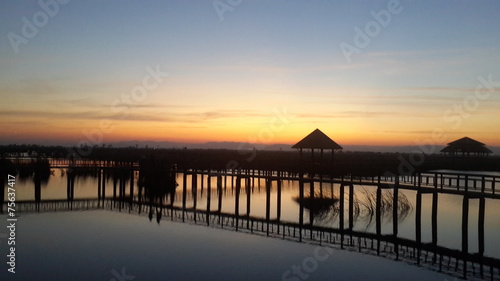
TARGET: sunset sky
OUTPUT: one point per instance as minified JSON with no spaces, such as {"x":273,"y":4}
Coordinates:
{"x":249,"y":71}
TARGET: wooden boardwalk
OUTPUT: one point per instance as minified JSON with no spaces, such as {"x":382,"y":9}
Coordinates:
{"x":474,"y":185}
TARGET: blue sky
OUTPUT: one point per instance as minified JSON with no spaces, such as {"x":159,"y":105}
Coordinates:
{"x":226,"y":77}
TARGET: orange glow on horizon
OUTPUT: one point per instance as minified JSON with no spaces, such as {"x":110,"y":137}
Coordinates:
{"x":92,"y":133}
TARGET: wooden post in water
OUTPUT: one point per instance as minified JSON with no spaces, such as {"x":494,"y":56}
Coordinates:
{"x":351,"y":208}
{"x":482,"y":203}
{"x":232,"y":180}
{"x":465,"y":233}
{"x":395,"y":204}
{"x":194,"y":193}
{"x":219,"y":195}
{"x":209,"y":192}
{"x":103,"y":196}
{"x":131,"y":191}
{"x":114,"y":186}
{"x":268,"y":203}
{"x":341,"y":215}
{"x":184,"y":194}
{"x":311,"y":198}
{"x":418,"y":225}
{"x":301,"y":204}
{"x":378,"y":219}
{"x":122,"y":187}
{"x":99,"y":188}
{"x":73,"y":177}
{"x":493,"y":185}
{"x":278,"y":200}
{"x":434,"y":220}
{"x":202,"y":183}
{"x":68,"y":186}
{"x":248,"y":189}
{"x":38,"y":190}
{"x":237,"y":201}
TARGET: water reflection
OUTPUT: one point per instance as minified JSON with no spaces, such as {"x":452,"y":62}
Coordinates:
{"x":157,"y":179}
{"x":157,"y":183}
{"x":325,"y":207}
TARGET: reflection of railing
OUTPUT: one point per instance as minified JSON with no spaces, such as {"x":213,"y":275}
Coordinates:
{"x":430,"y":256}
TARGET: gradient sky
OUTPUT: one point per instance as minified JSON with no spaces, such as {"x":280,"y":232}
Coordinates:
{"x":262,"y":71}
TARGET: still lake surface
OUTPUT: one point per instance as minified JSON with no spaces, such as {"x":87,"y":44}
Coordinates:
{"x":74,"y":239}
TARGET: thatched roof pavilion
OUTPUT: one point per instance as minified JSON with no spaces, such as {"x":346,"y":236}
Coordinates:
{"x":319,"y":141}
{"x":466,"y":147}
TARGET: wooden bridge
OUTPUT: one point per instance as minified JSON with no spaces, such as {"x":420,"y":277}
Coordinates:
{"x":470,"y":184}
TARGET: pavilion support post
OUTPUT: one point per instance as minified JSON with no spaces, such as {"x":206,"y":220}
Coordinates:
{"x":321,"y":158}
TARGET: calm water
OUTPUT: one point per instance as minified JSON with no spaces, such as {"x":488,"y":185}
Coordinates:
{"x":449,"y":210}
{"x":96,"y":245}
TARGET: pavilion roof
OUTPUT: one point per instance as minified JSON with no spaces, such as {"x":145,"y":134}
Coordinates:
{"x":466,"y":144}
{"x":317,"y":140}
